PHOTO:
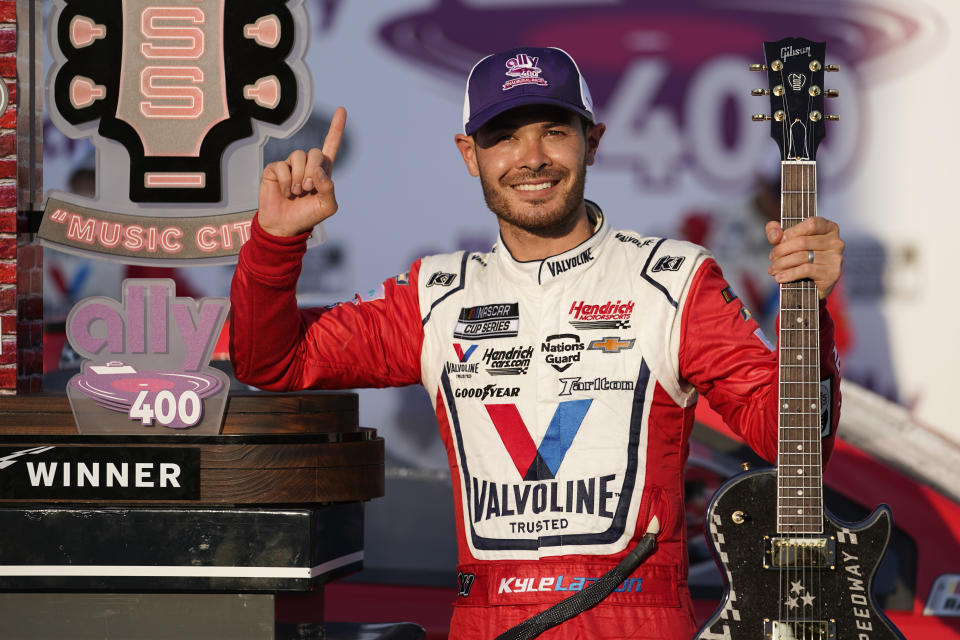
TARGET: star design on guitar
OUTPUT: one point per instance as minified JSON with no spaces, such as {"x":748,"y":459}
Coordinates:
{"x":802,"y":594}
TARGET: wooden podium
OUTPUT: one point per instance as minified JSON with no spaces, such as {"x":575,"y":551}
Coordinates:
{"x":176,"y":535}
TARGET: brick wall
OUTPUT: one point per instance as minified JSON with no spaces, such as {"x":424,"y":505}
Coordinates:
{"x":21,"y":261}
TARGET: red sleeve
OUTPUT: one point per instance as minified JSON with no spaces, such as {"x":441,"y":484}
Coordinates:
{"x":722,"y":355}
{"x":276,"y":346}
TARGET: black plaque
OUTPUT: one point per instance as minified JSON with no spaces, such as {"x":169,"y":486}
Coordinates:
{"x":99,"y":473}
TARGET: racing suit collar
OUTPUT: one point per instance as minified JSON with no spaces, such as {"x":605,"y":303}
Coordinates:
{"x":564,"y":265}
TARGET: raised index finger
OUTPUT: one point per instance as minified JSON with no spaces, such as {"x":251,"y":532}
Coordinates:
{"x":331,"y":144}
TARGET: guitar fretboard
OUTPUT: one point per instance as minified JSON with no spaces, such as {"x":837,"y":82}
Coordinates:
{"x":799,"y":486}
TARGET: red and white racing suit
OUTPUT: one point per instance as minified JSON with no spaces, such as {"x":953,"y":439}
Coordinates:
{"x":564,"y":390}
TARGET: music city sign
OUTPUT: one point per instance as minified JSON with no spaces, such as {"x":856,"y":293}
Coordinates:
{"x":178,"y":98}
{"x":147,"y":362}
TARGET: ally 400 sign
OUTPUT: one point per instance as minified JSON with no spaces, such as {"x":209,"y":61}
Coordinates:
{"x":178,"y":97}
{"x":147,"y":362}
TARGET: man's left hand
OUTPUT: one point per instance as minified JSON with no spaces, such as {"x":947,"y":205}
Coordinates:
{"x":816,"y":238}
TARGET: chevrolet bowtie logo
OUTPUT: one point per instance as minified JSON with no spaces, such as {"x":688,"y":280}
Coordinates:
{"x":611,"y":345}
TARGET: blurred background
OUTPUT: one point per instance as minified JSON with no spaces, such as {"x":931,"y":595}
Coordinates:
{"x":680,"y":158}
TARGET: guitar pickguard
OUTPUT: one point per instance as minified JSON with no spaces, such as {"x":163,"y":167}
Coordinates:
{"x":812,"y":586}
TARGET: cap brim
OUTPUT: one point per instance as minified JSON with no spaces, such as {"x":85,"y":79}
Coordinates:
{"x":484,"y":116}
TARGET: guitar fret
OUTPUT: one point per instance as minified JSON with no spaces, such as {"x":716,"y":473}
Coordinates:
{"x":799,"y":485}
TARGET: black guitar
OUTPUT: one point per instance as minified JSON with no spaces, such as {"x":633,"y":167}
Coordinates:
{"x":792,"y":570}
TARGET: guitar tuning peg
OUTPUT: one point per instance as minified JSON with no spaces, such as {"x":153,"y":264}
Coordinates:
{"x":760,"y":92}
{"x":758,"y":67}
{"x":831,"y":67}
{"x":760,"y":117}
{"x":831,"y":118}
{"x":831,"y":93}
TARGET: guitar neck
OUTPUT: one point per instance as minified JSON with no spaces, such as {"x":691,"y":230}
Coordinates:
{"x":799,"y":485}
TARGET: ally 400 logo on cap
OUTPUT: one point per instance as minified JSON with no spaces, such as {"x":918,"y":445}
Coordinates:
{"x":147,"y":368}
{"x":178,"y":98}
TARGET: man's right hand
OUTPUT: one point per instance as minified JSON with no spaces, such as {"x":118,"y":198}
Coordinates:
{"x":297,"y":193}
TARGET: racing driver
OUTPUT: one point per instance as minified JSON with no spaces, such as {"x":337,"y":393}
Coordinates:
{"x":564,"y":365}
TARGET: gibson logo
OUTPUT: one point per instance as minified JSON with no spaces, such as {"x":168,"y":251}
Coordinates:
{"x":789,"y":52}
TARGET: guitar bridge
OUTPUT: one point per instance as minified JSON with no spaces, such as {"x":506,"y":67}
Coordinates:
{"x":799,"y":629}
{"x":806,"y":553}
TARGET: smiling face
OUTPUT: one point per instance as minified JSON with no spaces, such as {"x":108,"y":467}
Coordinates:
{"x":532,"y":164}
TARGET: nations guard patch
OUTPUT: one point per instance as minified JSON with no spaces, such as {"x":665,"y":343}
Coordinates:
{"x":178,"y":97}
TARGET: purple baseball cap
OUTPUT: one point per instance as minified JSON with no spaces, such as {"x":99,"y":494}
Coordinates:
{"x":522,"y":76}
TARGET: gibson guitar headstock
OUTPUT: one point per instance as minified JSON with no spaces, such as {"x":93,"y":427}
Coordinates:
{"x":795,"y":69}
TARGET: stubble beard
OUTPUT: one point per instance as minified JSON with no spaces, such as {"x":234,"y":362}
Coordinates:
{"x":552,"y":222}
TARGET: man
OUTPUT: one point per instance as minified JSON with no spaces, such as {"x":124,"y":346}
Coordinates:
{"x":564,"y":365}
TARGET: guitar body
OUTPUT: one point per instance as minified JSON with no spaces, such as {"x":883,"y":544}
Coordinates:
{"x":799,"y":600}
{"x":792,"y":570}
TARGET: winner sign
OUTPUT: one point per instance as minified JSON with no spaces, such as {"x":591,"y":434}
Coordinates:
{"x":178,"y":96}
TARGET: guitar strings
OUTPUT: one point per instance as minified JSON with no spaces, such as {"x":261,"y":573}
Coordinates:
{"x":781,"y":603}
{"x":800,"y":570}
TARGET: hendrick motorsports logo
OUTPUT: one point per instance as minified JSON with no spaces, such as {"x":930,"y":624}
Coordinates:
{"x":609,"y":315}
{"x":100,"y":473}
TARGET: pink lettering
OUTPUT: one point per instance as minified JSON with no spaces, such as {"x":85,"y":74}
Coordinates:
{"x":191,"y":37}
{"x":81,"y":230}
{"x":169,"y":240}
{"x":182,"y":101}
